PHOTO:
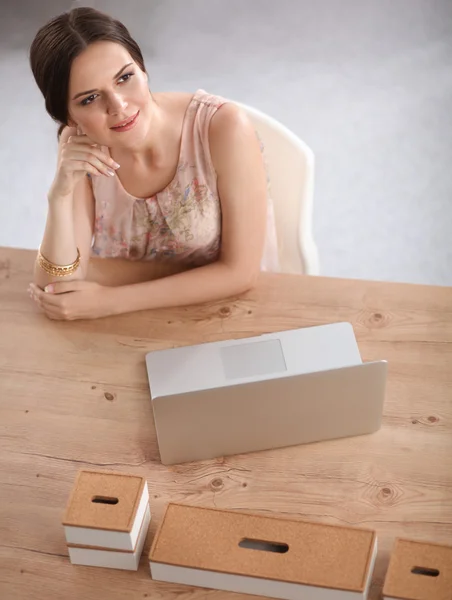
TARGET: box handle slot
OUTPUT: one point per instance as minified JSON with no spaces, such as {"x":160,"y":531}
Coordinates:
{"x":251,"y":544}
{"x":104,"y":500}
{"x":425,"y":571}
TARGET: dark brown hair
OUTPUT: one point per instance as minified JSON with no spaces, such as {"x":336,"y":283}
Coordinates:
{"x":60,"y":41}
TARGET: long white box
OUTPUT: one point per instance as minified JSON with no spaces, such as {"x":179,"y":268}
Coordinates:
{"x":274,"y":390}
{"x":267,"y":556}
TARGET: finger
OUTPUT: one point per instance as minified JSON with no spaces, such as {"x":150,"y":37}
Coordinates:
{"x":38,"y":302}
{"x":83,"y":165}
{"x":38,"y":298}
{"x":67,"y":133}
{"x":63,"y":287}
{"x":54,"y":315}
{"x":51,"y":301}
{"x":88,"y":158}
{"x":78,"y":162}
{"x":33,"y":292}
{"x":43,"y":299}
{"x":89,"y":152}
{"x":35,"y":301}
{"x":81,"y":139}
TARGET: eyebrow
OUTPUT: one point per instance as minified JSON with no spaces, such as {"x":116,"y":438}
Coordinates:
{"x":91,"y":91}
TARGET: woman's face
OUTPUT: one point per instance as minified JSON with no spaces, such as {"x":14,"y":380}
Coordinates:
{"x":106,"y":88}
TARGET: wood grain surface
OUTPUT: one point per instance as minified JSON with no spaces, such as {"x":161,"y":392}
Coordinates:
{"x":76,"y":395}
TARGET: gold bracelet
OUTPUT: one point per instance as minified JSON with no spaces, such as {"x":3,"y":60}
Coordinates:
{"x":58,"y":270}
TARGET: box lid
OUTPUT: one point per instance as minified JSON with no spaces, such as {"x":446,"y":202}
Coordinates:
{"x":269,"y":356}
{"x":143,"y":531}
{"x":419,"y":571}
{"x":104,"y":500}
{"x":318,"y":555}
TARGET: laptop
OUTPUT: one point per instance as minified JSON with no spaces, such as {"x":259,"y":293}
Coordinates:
{"x":270,"y":391}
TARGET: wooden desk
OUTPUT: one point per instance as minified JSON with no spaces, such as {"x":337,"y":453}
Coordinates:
{"x":75,"y":395}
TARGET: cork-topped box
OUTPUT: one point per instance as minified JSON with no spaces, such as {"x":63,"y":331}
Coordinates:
{"x":106,"y":510}
{"x":267,"y":556}
{"x":419,"y":571}
{"x":107,"y":519}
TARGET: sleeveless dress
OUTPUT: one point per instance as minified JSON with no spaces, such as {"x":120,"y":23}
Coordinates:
{"x":180,"y":223}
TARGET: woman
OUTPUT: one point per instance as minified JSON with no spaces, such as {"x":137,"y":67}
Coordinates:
{"x":169,"y":188}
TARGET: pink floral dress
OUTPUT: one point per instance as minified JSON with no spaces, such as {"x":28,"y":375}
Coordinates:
{"x":183,"y":221}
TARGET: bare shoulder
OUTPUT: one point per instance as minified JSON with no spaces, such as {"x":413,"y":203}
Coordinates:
{"x":232,"y":138}
{"x":230,"y":119}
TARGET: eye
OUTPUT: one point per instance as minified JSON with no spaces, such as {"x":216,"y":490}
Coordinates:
{"x":125,"y":77}
{"x":88,"y":100}
{"x":91,"y":98}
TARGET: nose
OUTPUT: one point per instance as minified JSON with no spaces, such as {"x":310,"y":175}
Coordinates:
{"x":116,"y":104}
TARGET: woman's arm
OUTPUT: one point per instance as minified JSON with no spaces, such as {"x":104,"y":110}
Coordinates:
{"x":242,"y":188}
{"x":70,"y":216}
{"x":69,"y":226}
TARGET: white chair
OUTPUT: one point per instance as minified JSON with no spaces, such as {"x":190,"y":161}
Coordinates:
{"x":291,"y":170}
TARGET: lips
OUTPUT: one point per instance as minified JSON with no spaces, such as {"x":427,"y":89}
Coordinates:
{"x":126,"y":123}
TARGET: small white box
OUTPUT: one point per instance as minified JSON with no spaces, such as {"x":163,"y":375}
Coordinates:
{"x":419,"y":571}
{"x":267,"y":556}
{"x":107,"y":511}
{"x":112,"y":559}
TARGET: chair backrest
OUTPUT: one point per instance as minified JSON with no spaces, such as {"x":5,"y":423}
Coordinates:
{"x":291,"y":170}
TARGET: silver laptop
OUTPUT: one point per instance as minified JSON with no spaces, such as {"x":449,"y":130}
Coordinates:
{"x":265,"y":392}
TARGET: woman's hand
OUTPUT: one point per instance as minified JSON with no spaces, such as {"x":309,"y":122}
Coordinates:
{"x":77,"y":156}
{"x":71,"y":300}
